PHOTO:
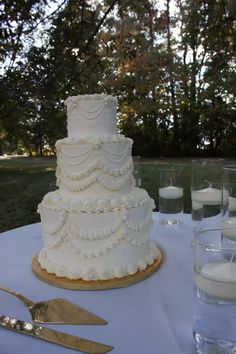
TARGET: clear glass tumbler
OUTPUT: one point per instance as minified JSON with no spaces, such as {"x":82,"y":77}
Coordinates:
{"x":170,"y":195}
{"x":214,"y":319}
{"x":229,"y":203}
{"x":206,"y":193}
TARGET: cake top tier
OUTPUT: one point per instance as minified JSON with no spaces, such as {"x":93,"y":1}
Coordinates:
{"x":91,"y":115}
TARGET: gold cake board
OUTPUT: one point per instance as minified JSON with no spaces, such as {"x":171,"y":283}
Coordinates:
{"x":79,"y":284}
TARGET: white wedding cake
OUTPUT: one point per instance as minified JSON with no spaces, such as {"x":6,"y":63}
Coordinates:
{"x":97,"y":225}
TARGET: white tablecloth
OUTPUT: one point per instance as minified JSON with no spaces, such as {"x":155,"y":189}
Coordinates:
{"x":150,"y":317}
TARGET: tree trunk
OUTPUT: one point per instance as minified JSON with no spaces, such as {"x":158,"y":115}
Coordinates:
{"x":172,"y":84}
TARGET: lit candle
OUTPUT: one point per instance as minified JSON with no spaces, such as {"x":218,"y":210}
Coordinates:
{"x":217,"y":279}
{"x":207,"y":196}
{"x":171,"y":192}
{"x":229,"y":228}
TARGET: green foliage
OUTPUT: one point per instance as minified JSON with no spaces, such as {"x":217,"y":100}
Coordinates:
{"x":18,"y":20}
{"x":176,"y":92}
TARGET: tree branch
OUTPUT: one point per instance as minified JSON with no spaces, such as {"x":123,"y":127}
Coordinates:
{"x":49,"y":16}
{"x":99,"y":25}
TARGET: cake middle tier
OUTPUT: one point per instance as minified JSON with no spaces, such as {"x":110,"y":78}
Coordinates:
{"x":94,"y":166}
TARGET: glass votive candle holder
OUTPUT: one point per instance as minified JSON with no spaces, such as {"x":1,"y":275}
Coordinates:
{"x":206,"y":193}
{"x":229,"y":205}
{"x":170,"y":195}
{"x":214,"y":320}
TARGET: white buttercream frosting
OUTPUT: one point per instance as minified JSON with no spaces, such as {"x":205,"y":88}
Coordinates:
{"x":97,"y":225}
{"x":91,"y":115}
{"x":105,"y":161}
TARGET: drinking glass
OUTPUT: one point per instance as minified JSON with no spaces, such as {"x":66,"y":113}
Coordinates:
{"x":214,"y":317}
{"x":170,"y":195}
{"x":229,"y":203}
{"x":206,"y":193}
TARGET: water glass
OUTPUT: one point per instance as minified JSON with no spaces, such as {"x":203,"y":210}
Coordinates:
{"x":170,"y":195}
{"x":206,"y":193}
{"x":229,"y":203}
{"x":214,"y":319}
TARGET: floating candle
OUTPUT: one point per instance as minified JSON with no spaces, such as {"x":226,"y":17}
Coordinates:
{"x":229,"y":228}
{"x":196,"y":205}
{"x":171,"y":192}
{"x":207,"y":196}
{"x":217,"y":279}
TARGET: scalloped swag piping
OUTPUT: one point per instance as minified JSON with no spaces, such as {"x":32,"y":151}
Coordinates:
{"x":107,"y":182}
{"x":97,"y":165}
{"x":93,"y":274}
{"x":122,"y":229}
{"x":97,"y":149}
{"x":57,"y":202}
{"x":75,"y":102}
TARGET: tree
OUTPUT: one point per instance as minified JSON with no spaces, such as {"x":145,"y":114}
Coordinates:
{"x":135,"y":71}
{"x":206,"y":61}
{"x":174,"y":78}
{"x":18,"y":20}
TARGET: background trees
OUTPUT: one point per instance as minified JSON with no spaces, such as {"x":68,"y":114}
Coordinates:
{"x":171,"y":63}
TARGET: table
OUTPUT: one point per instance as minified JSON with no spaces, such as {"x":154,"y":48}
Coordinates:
{"x":153,"y":316}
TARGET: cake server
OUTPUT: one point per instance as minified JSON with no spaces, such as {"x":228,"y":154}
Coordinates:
{"x":57,"y":311}
{"x":50,"y":335}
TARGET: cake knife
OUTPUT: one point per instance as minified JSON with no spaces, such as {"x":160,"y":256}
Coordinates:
{"x":58,"y":311}
{"x":67,"y":340}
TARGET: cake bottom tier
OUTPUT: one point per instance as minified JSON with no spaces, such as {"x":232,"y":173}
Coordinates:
{"x":102,"y":268}
{"x":98,"y":245}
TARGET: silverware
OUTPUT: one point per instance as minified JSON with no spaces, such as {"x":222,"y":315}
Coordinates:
{"x":57,"y":311}
{"x":50,"y":335}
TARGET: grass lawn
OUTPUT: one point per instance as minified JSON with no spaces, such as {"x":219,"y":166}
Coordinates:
{"x":24,"y":181}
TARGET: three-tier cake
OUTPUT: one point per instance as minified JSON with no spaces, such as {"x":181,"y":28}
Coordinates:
{"x":97,"y":225}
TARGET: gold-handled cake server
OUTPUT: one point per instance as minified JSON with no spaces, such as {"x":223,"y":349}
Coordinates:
{"x":50,"y":335}
{"x":57,"y":311}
